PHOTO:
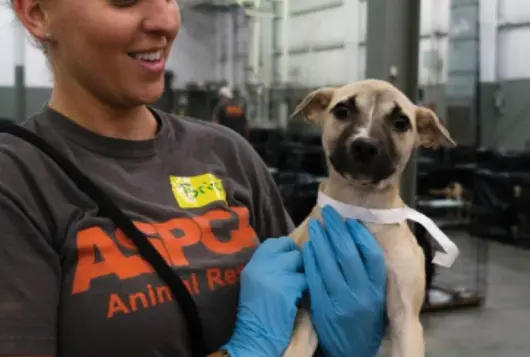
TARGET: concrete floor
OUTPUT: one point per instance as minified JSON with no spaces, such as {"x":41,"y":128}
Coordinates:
{"x":499,"y":328}
{"x":502,"y":326}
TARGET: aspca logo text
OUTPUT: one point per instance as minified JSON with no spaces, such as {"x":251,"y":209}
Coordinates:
{"x":170,"y":238}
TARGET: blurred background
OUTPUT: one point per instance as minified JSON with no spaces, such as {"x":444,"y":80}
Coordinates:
{"x":251,"y":62}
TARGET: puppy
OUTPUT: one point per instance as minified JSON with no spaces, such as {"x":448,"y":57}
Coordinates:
{"x":369,"y":130}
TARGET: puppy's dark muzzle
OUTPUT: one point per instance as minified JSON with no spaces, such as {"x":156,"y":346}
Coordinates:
{"x":364,"y":151}
{"x":364,"y":158}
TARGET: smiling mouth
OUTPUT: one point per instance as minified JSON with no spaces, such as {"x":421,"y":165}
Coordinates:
{"x":150,"y":57}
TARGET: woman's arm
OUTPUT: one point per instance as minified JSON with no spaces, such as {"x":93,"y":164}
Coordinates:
{"x":29,"y":282}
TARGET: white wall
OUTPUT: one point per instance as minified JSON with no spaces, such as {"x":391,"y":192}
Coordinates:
{"x":7,"y":76}
{"x":343,"y":28}
{"x":514,"y":35}
{"x":504,"y":55}
{"x":324,"y":39}
{"x":37,"y":74}
{"x":193,"y":53}
{"x":434,"y":19}
{"x":504,"y":32}
{"x":489,"y":40}
{"x":434,"y":44}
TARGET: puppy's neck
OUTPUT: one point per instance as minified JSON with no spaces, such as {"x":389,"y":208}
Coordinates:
{"x":368,"y":197}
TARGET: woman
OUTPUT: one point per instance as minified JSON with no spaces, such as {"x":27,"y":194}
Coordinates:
{"x":73,"y":285}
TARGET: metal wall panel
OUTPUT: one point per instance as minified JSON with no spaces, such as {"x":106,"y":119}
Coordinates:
{"x":462,"y":54}
{"x":514,"y":10}
{"x":488,"y":40}
{"x":306,"y":6}
{"x":37,"y":70}
{"x":362,"y":19}
{"x":361,"y":62}
{"x":194,"y":53}
{"x":7,"y":59}
{"x":513,"y":28}
{"x":513,"y":55}
{"x":434,"y":16}
{"x":319,"y":68}
{"x":319,"y":26}
{"x":323,"y":42}
{"x":433,"y":61}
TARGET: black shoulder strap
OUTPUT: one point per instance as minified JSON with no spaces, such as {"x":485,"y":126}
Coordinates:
{"x":109,"y":209}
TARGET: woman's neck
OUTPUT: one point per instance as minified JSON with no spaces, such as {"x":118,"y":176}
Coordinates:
{"x":136,"y":123}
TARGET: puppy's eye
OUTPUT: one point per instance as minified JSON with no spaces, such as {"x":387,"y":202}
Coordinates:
{"x":401,"y":123}
{"x":341,"y":111}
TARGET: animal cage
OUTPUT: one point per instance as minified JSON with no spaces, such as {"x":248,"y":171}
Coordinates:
{"x":447,"y":194}
{"x":465,"y":283}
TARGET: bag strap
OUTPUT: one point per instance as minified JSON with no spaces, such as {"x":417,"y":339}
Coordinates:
{"x":108,"y":208}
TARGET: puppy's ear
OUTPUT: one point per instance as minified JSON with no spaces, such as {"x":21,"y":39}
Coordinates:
{"x":431,"y":132}
{"x":314,"y":103}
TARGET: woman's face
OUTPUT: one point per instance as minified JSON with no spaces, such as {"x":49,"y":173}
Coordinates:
{"x":114,"y":49}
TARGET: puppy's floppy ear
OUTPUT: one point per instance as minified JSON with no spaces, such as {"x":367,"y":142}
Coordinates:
{"x":431,"y":132}
{"x":314,"y":103}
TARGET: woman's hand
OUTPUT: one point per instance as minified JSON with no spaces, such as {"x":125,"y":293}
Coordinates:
{"x":271,"y":285}
{"x":346,"y":275}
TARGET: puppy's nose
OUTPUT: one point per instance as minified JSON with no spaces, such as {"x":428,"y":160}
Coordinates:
{"x":364,"y":150}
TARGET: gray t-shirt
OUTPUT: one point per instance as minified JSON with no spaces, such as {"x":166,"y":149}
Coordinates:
{"x":71,"y":285}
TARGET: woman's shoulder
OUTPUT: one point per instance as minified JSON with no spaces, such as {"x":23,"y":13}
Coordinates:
{"x":23,"y":178}
{"x":16,"y":154}
{"x":210,"y":134}
{"x":27,"y":174}
{"x":199,"y":126}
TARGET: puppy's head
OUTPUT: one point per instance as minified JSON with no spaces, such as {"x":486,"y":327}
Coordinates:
{"x":369,"y":129}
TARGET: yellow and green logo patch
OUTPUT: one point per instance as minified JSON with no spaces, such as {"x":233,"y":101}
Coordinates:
{"x":197,"y":191}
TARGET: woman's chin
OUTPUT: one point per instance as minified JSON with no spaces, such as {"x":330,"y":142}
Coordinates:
{"x":148,"y":96}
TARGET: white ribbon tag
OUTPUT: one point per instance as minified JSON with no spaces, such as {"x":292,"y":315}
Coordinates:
{"x":396,"y":215}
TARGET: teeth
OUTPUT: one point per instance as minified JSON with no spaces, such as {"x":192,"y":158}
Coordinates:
{"x":148,"y":56}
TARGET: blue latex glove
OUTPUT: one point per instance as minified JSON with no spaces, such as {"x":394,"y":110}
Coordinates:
{"x":346,"y":275}
{"x":271,"y":285}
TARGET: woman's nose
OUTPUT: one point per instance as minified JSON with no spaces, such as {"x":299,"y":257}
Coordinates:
{"x":163,"y":17}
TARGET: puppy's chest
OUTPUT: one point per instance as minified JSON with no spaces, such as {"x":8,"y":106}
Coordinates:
{"x":394,"y":239}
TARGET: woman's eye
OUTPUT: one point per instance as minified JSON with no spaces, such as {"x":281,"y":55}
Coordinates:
{"x":124,"y":3}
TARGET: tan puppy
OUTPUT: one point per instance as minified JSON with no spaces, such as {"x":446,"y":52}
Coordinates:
{"x":369,"y":130}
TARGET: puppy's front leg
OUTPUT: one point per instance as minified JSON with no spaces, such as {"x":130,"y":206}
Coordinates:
{"x":406,"y":335}
{"x":405,"y":293}
{"x":304,"y":341}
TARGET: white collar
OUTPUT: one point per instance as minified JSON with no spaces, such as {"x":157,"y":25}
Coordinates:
{"x":396,"y":215}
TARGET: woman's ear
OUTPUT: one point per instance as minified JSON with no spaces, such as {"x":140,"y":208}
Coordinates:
{"x":33,"y":16}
